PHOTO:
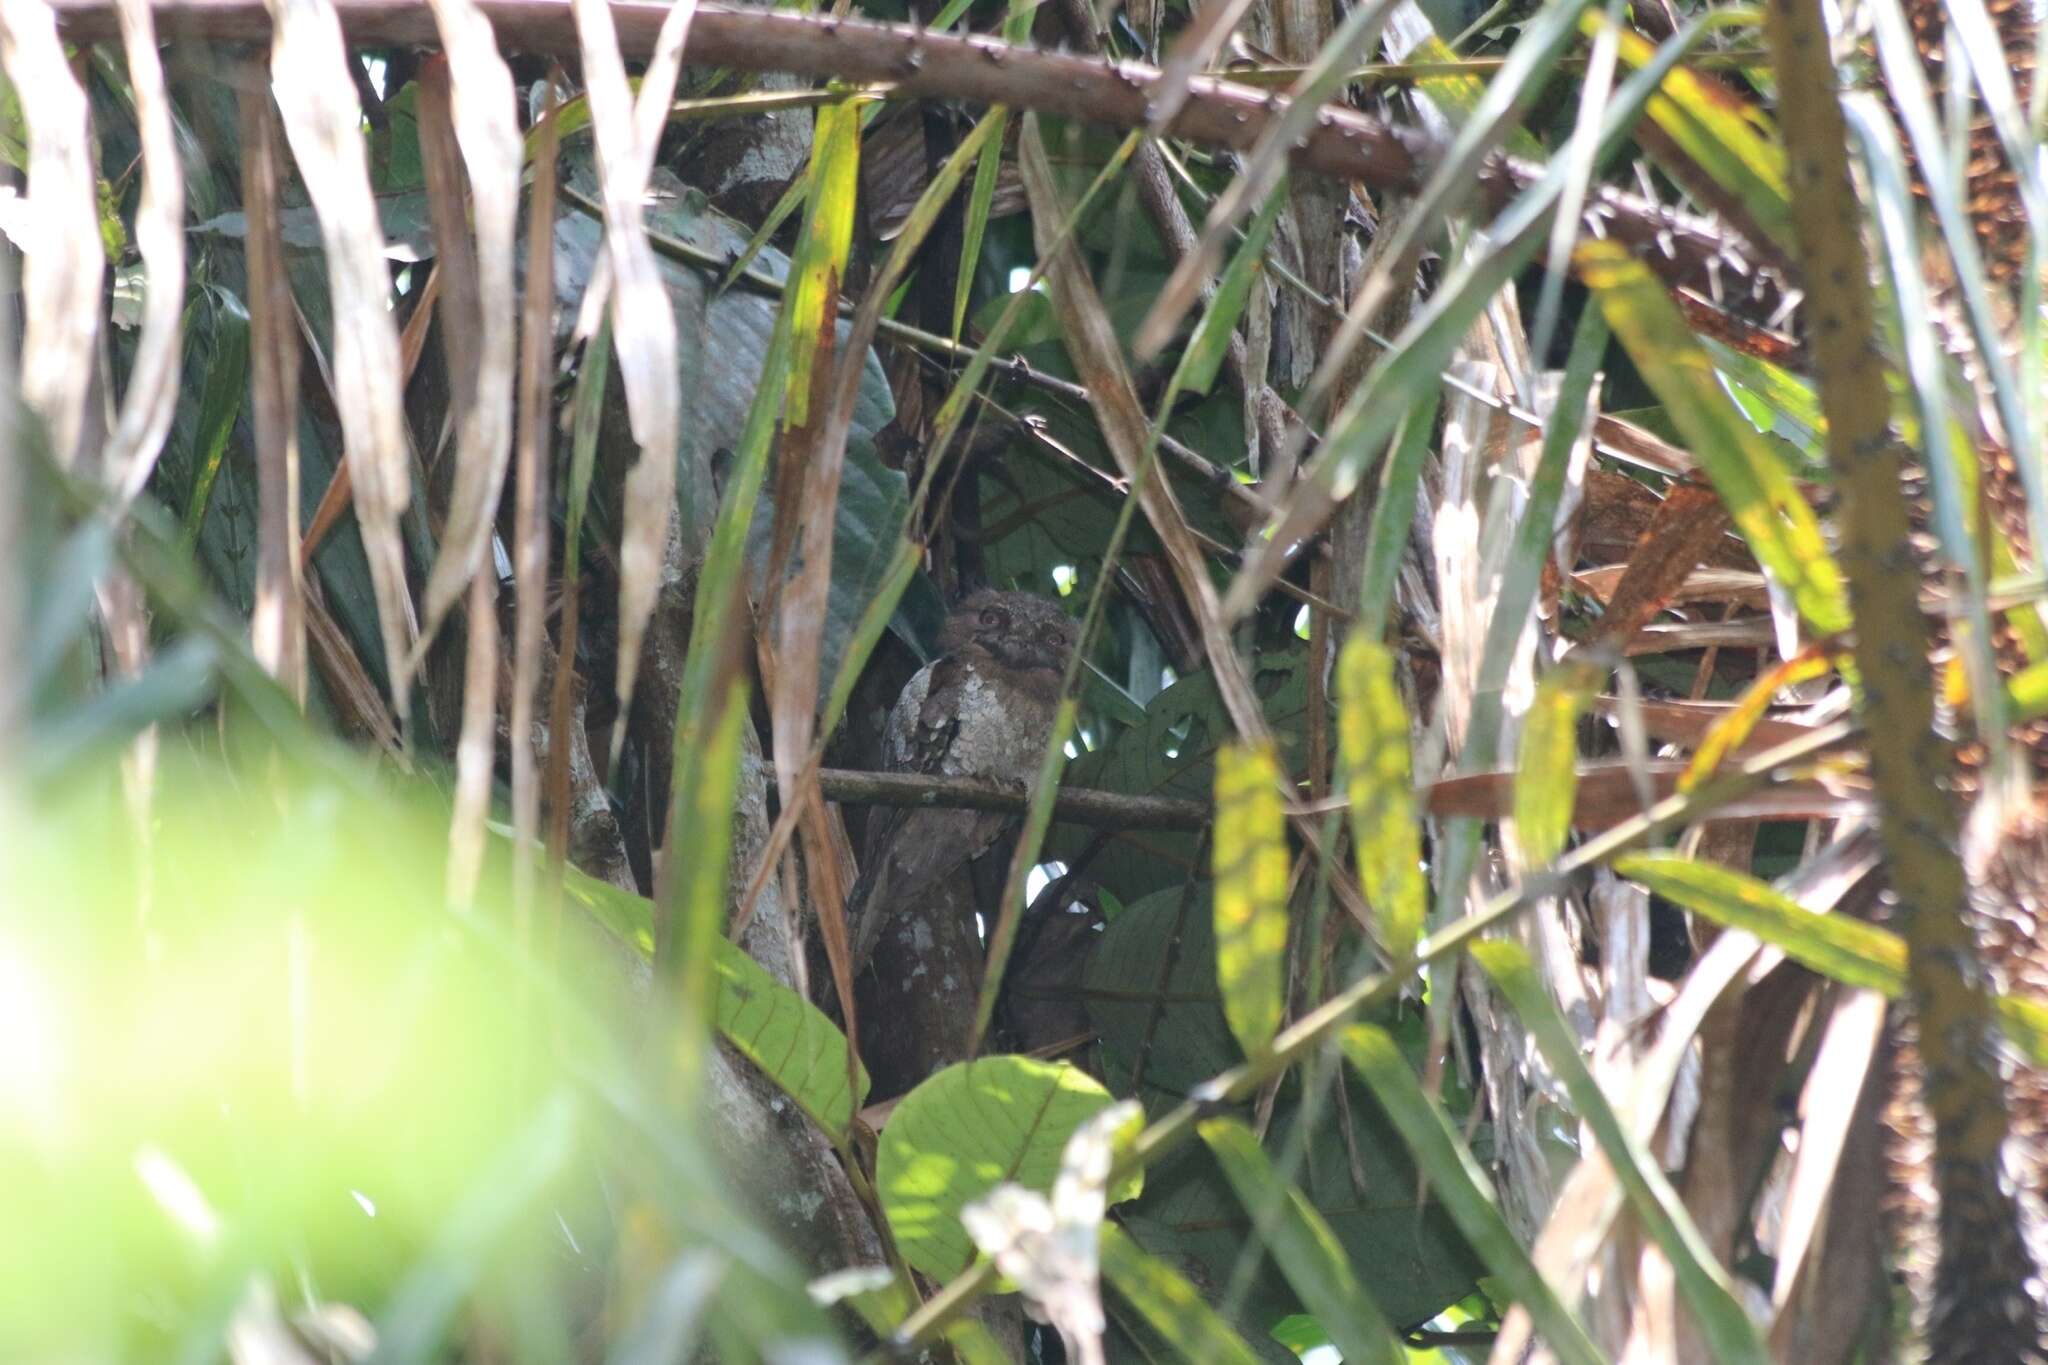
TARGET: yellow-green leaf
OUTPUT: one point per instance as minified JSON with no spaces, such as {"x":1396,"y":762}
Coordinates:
{"x":1372,"y":740}
{"x":1250,"y":847}
{"x":1547,"y":780}
{"x":1838,"y":947}
{"x":1724,"y":137}
{"x":966,"y":1130}
{"x":1732,"y":729}
{"x":820,"y":262}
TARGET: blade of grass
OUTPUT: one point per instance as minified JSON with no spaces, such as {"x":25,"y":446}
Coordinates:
{"x":1308,"y":1252}
{"x":1702,"y":1282}
{"x":1462,"y":1188}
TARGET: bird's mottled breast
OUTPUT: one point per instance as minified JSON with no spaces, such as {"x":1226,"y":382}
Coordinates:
{"x":999,"y":727}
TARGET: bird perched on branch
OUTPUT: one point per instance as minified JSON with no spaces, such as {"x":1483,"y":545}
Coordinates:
{"x":983,"y":708}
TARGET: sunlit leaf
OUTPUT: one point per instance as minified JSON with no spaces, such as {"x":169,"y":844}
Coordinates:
{"x":1729,"y":140}
{"x":1733,"y":730}
{"x":1250,"y":848}
{"x":1547,"y":779}
{"x":968,"y":1129}
{"x":1843,"y":949}
{"x":1379,"y":788}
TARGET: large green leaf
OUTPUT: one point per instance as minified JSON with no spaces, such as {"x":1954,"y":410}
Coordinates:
{"x":1151,"y":991}
{"x":1173,"y":753}
{"x":1354,"y":1169}
{"x":1301,"y":1241}
{"x":1464,"y":1189}
{"x":968,"y":1129}
{"x":779,"y":1031}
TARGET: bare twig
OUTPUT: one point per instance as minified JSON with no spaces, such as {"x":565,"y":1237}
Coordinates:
{"x":1074,"y":806}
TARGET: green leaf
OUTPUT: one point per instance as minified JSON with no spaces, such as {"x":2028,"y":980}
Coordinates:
{"x":1173,"y":753}
{"x":1158,"y":1010}
{"x":1387,"y":1220}
{"x":1393,"y":513}
{"x":1762,"y":499}
{"x":1379,"y":788}
{"x":1838,"y":947}
{"x":1170,"y":1305}
{"x":1304,"y":1246}
{"x":1702,"y":1282}
{"x":220,"y":403}
{"x":1463,"y":1188}
{"x":1725,"y":137}
{"x":1547,"y":779}
{"x":786,"y":1036}
{"x":968,"y":1129}
{"x":2027,"y":692}
{"x":1203,"y":355}
{"x":1250,"y":846}
{"x":820,"y":261}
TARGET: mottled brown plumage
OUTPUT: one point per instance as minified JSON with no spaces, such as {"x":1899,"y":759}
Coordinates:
{"x":983,"y":708}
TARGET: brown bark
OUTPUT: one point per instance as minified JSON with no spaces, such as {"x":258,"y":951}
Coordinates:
{"x":1345,"y":145}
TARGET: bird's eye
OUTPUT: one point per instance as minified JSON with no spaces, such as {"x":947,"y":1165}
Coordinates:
{"x":994,"y":617}
{"x":1054,"y":636}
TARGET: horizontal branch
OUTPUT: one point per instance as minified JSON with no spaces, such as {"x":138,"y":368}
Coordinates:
{"x":1073,"y":805}
{"x":1685,"y":250}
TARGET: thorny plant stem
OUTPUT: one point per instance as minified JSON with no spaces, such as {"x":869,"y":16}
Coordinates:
{"x":1685,"y":251}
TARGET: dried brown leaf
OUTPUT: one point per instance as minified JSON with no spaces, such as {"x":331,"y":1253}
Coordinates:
{"x":472,"y":91}
{"x":323,"y":120}
{"x":1688,"y":524}
{"x":277,"y":623}
{"x":643,"y":322}
{"x":151,"y":399}
{"x":58,"y":233}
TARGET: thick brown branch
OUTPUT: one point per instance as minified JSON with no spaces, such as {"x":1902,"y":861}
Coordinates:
{"x":1685,"y":250}
{"x":1076,"y":806}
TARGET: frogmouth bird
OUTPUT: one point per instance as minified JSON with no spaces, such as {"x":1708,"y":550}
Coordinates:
{"x":983,"y":708}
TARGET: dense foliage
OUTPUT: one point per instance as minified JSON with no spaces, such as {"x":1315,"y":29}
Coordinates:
{"x":1536,"y":843}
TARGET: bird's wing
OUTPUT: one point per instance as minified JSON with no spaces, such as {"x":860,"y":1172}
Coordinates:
{"x":921,"y":731}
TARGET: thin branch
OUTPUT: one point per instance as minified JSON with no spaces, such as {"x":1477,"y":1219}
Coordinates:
{"x":1685,"y":250}
{"x":1073,"y":806}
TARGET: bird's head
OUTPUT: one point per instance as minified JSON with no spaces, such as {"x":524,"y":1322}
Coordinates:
{"x":1019,"y":630}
